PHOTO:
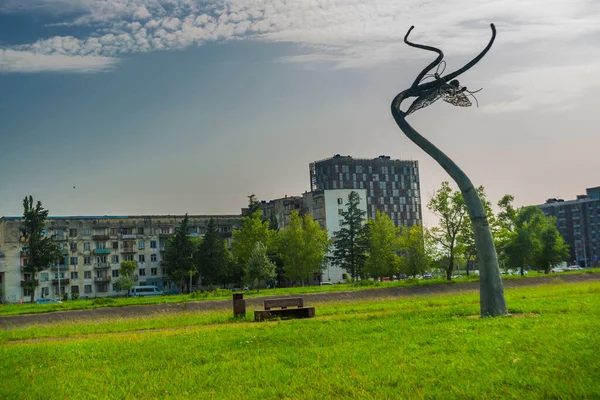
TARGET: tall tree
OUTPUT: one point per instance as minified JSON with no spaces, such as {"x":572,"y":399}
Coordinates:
{"x":259,"y":266}
{"x":211,"y":255}
{"x":303,"y":248}
{"x":523,"y":242}
{"x":350,"y":242}
{"x":126,"y":279}
{"x":253,"y":206}
{"x":552,"y":249}
{"x":382,"y":238}
{"x":491,"y":289}
{"x":179,"y":255}
{"x":253,"y":230}
{"x":42,"y":252}
{"x":449,"y":207}
{"x":505,"y":222}
{"x":416,"y":250}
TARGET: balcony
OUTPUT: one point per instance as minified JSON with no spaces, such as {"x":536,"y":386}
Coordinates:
{"x":60,"y":238}
{"x":102,"y":279}
{"x":128,"y":250}
{"x":165,"y":235}
{"x":102,"y":251}
{"x":63,"y":281}
{"x":101,"y":237}
{"x":59,"y":268}
{"x":102,"y":266}
{"x":25,"y":282}
{"x":65,"y":252}
{"x":126,"y":236}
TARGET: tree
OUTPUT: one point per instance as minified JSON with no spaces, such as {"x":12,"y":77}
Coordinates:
{"x":383,"y":241}
{"x":491,"y":290}
{"x":211,"y":255}
{"x":42,"y":252}
{"x":449,"y":207}
{"x":126,"y":278}
{"x":415,"y":248}
{"x":253,"y":206}
{"x":258,"y":266}
{"x":505,"y":223}
{"x":303,"y":248}
{"x":179,"y":255}
{"x":552,"y":249}
{"x":350,"y":242}
{"x":253,"y":230}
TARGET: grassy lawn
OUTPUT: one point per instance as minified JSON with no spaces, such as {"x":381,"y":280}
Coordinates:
{"x":14,"y":309}
{"x":417,"y":347}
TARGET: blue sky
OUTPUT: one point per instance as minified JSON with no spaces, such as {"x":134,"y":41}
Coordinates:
{"x":173,"y":106}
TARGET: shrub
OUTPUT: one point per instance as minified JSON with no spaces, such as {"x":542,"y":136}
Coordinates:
{"x":366,"y":282}
{"x":74,"y":296}
{"x":102,"y":301}
{"x":196,"y":294}
{"x":412,"y":281}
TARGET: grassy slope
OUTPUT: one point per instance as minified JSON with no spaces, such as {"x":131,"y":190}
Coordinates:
{"x":14,"y":309}
{"x":410,"y":348}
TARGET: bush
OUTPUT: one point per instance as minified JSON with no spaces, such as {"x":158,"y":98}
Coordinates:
{"x":74,"y":296}
{"x":221,"y":292}
{"x":412,"y":281}
{"x":196,"y":294}
{"x":102,"y":301}
{"x":366,"y":282}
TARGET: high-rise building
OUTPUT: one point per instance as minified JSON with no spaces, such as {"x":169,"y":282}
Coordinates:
{"x":578,"y":222}
{"x":93,"y":248}
{"x":391,"y":186}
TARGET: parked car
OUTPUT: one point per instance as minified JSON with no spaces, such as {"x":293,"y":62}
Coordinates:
{"x":238,"y":289}
{"x":557,"y":269}
{"x":146,"y":291}
{"x":427,"y":276}
{"x":325,"y":283}
{"x":574,"y":268}
{"x":48,"y":300}
{"x":402,"y":276}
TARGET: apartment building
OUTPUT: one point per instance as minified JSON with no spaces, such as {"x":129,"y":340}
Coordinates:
{"x":392,"y":186}
{"x":281,"y":209}
{"x":578,"y":222}
{"x":93,"y":248}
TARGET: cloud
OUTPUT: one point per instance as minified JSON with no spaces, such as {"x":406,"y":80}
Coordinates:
{"x":26,"y":61}
{"x":348,"y":34}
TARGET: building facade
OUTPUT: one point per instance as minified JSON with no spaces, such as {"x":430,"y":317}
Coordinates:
{"x":281,"y":209}
{"x":93,"y":248}
{"x":392,"y":186}
{"x":578,"y":222}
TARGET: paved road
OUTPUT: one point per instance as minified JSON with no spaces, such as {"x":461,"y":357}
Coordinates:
{"x":255,"y":302}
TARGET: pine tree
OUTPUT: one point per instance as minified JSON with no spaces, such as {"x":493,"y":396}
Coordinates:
{"x":42,"y":252}
{"x":211,"y":256}
{"x":351,"y":245}
{"x":179,"y":255}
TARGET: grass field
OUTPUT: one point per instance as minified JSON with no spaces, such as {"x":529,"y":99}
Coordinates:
{"x":15,"y":309}
{"x":417,"y":347}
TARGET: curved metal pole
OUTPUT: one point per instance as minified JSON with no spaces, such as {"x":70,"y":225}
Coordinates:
{"x":492,"y":299}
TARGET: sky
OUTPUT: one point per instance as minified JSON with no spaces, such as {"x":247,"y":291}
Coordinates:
{"x":117,"y":107}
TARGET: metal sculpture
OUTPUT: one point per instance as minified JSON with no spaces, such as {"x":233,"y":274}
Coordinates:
{"x":449,"y":89}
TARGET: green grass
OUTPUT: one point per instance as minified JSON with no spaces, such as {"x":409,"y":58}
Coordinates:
{"x":16,"y":309}
{"x":416,"y":347}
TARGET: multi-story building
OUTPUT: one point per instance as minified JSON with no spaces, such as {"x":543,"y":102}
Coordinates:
{"x":578,"y":221}
{"x":93,"y":248}
{"x":391,"y":186}
{"x":281,"y":209}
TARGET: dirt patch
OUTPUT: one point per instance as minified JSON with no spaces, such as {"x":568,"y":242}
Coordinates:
{"x":7,"y":322}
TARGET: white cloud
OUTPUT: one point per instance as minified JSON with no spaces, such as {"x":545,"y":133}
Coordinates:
{"x":351,"y":33}
{"x":26,"y":61}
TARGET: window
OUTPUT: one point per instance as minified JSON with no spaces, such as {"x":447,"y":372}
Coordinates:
{"x":44,"y":277}
{"x":86,"y":246}
{"x":73,"y":260}
{"x":27,"y":292}
{"x":72,"y":232}
{"x":59,"y":275}
{"x":74,"y":275}
{"x":75,"y":289}
{"x":87,"y":274}
{"x":141,"y":245}
{"x":87,"y":260}
{"x":142,"y":272}
{"x":101,"y":245}
{"x":101,"y":260}
{"x":115,"y":273}
{"x":153,"y":271}
{"x":115,"y":245}
{"x":340,"y":211}
{"x":153,"y":257}
{"x":103,"y":288}
{"x":128,"y":257}
{"x":45,"y":291}
{"x":85,"y":232}
{"x":153,"y":244}
{"x":141,"y":258}
{"x":115,"y":259}
{"x":340,"y":200}
{"x":163,"y":243}
{"x":73,"y":246}
{"x":87,"y":288}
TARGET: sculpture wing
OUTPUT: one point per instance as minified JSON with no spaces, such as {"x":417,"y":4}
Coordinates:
{"x":427,"y":99}
{"x":456,"y":98}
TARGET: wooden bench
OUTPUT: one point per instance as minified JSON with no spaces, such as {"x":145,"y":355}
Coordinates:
{"x":278,"y":308}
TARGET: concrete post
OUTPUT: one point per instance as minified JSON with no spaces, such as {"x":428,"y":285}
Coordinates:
{"x":239,"y":305}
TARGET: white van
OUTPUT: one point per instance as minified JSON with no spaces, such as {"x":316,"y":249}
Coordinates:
{"x":145,"y":291}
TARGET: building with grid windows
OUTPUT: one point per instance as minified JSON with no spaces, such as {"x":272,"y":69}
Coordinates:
{"x":391,"y":186}
{"x":578,"y":222}
{"x":93,"y":248}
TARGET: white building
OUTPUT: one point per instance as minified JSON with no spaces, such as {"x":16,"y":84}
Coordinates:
{"x":93,"y":249}
{"x":326,"y":207}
